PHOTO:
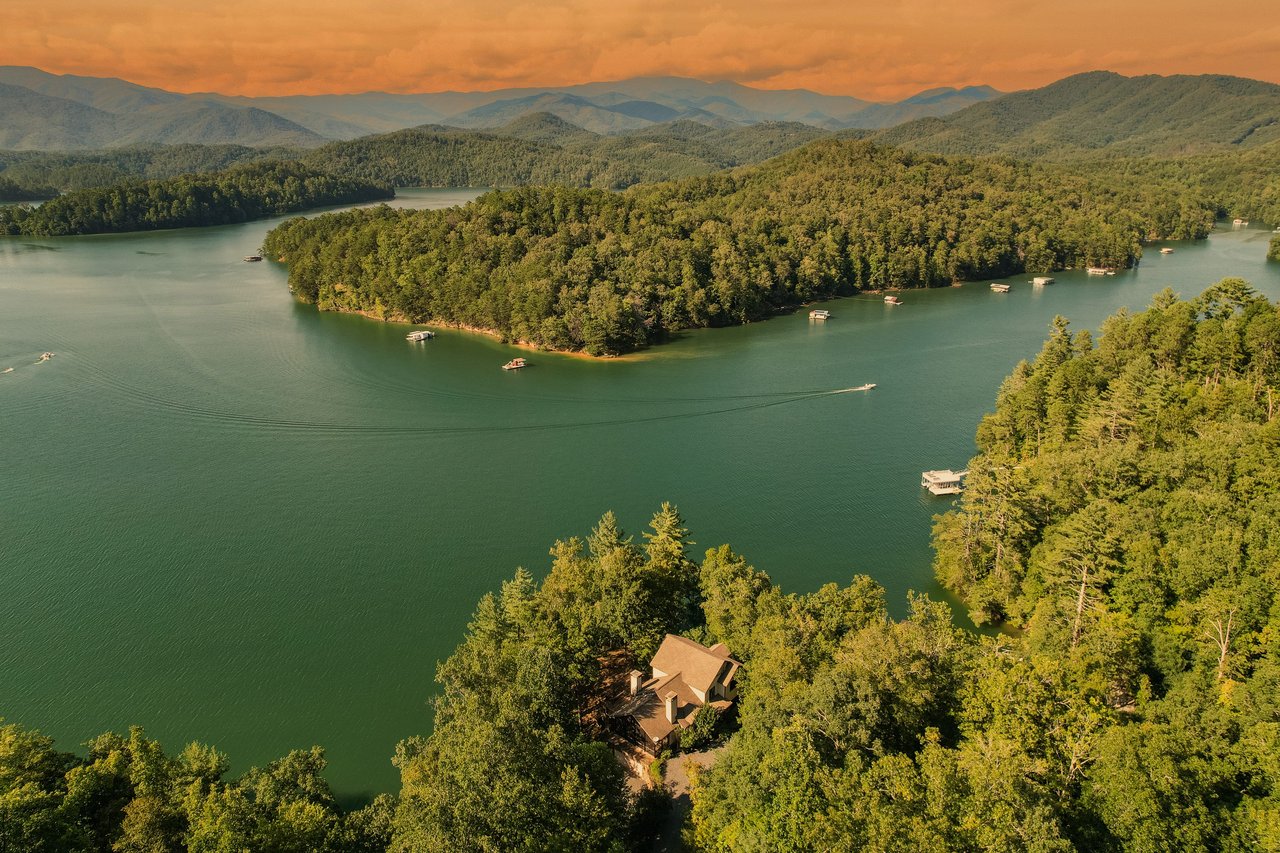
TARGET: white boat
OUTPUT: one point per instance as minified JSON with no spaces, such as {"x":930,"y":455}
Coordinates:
{"x":819,"y":314}
{"x":892,"y":300}
{"x":1239,"y":222}
{"x":1000,"y":288}
{"x":866,"y":387}
{"x":944,"y":482}
{"x":515,"y":364}
{"x":1042,"y":279}
{"x":44,"y":356}
{"x":1166,"y":251}
{"x":1100,"y":271}
{"x":420,"y":335}
{"x":6,"y":370}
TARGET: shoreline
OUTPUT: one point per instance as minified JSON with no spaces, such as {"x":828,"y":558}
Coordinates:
{"x":639,"y":355}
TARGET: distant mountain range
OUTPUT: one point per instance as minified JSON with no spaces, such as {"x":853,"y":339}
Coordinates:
{"x":618,"y":133}
{"x":50,"y":111}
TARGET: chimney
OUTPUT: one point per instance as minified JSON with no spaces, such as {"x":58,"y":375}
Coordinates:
{"x":636,"y":675}
{"x":672,"y":702}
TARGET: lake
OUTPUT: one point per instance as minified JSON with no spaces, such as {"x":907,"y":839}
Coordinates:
{"x":228,"y":517}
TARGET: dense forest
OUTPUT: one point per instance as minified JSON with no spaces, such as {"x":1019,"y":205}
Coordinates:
{"x":11,"y":190}
{"x":612,"y":272}
{"x":1121,"y":511}
{"x":43,"y":174}
{"x":219,"y":198}
{"x":1101,"y":113}
{"x":541,"y":149}
{"x":535,"y":149}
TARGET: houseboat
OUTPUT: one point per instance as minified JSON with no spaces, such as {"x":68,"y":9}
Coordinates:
{"x":892,"y":300}
{"x":252,"y":258}
{"x":515,"y":364}
{"x":1166,"y":251}
{"x":819,"y":314}
{"x":1000,"y":288}
{"x":1100,"y":271}
{"x":1239,"y":222}
{"x":945,"y":482}
{"x":420,"y":335}
{"x":1042,"y":279}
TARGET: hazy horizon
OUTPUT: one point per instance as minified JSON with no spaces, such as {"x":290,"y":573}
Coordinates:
{"x":885,"y":51}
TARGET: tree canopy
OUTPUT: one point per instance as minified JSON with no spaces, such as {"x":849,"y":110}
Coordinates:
{"x":218,"y":198}
{"x":612,"y":272}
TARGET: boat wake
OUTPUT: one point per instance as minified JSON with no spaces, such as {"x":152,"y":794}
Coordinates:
{"x":740,"y":404}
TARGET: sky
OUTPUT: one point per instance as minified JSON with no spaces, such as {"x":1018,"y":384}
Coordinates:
{"x":883,"y":50}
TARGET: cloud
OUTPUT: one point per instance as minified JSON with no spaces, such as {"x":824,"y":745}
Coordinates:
{"x":883,"y":50}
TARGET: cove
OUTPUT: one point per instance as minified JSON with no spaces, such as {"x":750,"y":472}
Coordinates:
{"x":226,"y":516}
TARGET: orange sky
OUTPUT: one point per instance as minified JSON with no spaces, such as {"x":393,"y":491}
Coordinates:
{"x":876,"y":50}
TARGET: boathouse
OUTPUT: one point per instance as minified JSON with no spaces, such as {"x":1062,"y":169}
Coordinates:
{"x":684,"y":677}
{"x":945,"y":482}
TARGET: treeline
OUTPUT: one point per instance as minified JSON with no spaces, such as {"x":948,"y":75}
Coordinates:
{"x":608,"y":273}
{"x":44,"y":174}
{"x":219,"y":198}
{"x":1122,"y":510}
{"x":13,"y":191}
{"x":536,"y":149}
{"x":127,"y":794}
{"x":544,"y":150}
{"x":1273,"y":253}
{"x":1242,"y":184}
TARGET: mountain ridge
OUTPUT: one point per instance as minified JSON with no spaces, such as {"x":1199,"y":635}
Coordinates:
{"x":608,"y":107}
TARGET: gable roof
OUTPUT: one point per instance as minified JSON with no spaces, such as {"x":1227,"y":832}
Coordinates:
{"x":699,"y":666}
{"x":649,"y":706}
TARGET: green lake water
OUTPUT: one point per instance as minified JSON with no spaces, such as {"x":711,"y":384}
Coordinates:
{"x":225,"y":516}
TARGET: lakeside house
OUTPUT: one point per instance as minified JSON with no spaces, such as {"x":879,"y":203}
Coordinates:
{"x":684,"y":677}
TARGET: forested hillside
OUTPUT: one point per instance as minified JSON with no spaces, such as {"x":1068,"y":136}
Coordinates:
{"x":11,"y":190}
{"x":607,"y":273}
{"x":542,"y":149}
{"x":1101,"y":110}
{"x":42,"y":174}
{"x":536,"y":149}
{"x":1103,"y":464}
{"x":216,"y":198}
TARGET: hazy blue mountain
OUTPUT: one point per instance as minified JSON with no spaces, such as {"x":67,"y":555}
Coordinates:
{"x":108,"y":94}
{"x":211,"y":122}
{"x":647,"y":110}
{"x":545,"y":128}
{"x":66,"y":112}
{"x":1078,"y":115}
{"x":349,"y":116}
{"x":612,"y":107}
{"x":36,"y":121}
{"x":932,"y":102}
{"x":1086,"y":113}
{"x":571,"y":108}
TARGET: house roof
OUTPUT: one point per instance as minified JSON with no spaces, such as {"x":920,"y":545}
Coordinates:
{"x":649,"y":706}
{"x":699,"y":666}
{"x":685,"y":666}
